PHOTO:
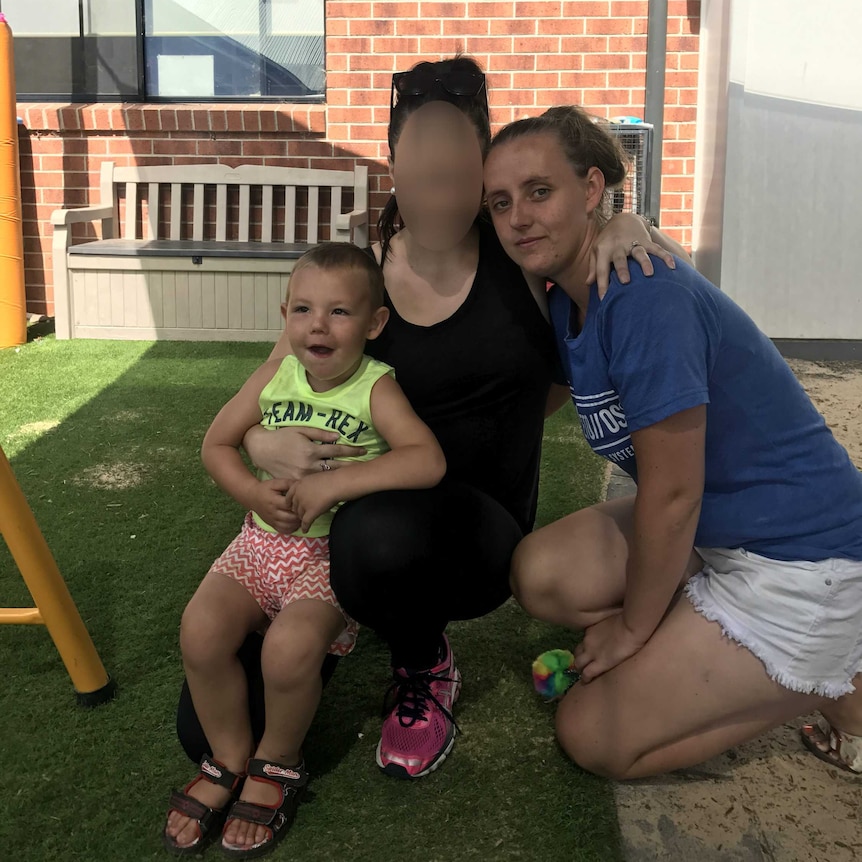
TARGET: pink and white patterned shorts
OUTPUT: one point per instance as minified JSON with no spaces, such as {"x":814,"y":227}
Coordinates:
{"x":278,"y":570}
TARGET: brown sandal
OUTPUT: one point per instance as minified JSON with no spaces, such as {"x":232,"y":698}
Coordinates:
{"x":209,"y":820}
{"x":833,"y":746}
{"x":292,"y":781}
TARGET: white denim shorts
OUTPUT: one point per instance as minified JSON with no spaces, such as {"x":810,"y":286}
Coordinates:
{"x":802,"y":620}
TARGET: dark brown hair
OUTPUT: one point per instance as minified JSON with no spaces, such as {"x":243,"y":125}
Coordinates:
{"x":475,"y":108}
{"x":583,"y":138}
{"x":341,"y":256}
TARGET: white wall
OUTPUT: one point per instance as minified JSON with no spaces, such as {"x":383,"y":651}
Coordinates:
{"x":778,"y":197}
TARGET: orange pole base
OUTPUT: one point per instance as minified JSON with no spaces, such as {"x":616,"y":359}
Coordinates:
{"x":54,"y":605}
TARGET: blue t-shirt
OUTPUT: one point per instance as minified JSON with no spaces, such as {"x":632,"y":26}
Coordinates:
{"x":777,"y":482}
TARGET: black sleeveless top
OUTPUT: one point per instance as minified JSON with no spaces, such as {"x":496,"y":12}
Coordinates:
{"x":480,"y":380}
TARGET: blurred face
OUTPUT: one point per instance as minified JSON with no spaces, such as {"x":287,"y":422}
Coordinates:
{"x":540,"y":207}
{"x":328,"y":318}
{"x":437,"y":172}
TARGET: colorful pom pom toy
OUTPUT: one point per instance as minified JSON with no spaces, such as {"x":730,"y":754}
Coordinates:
{"x":554,"y":673}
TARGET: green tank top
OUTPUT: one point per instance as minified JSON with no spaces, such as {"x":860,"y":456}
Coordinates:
{"x":288,"y":400}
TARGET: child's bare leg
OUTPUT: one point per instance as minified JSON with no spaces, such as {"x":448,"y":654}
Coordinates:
{"x":215,"y":622}
{"x":293,"y":651}
{"x":291,"y":660}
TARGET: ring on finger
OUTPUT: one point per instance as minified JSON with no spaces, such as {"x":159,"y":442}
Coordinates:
{"x":324,"y":465}
{"x":634,"y":245}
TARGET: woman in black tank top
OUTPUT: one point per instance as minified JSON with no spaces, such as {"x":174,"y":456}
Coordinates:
{"x":474,"y":354}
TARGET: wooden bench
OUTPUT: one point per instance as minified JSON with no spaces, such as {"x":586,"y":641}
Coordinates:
{"x":204,"y":251}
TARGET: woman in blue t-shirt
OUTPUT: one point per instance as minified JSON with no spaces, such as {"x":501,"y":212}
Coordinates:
{"x":745,"y":501}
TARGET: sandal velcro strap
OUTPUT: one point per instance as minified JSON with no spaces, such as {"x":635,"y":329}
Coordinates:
{"x":217,"y":773}
{"x":288,"y":776}
{"x":277,"y":819}
{"x":194,"y":809}
{"x":208,"y":820}
{"x":263,"y":815}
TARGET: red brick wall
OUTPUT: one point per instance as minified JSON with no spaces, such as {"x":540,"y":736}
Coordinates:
{"x":537,"y":53}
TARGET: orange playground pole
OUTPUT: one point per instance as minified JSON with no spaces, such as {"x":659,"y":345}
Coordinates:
{"x":55,"y":608}
{"x":13,"y":304}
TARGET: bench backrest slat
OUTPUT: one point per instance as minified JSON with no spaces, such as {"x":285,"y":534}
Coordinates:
{"x":221,"y":212}
{"x":176,"y":209}
{"x":313,"y":213}
{"x":107,"y":193}
{"x":153,"y":211}
{"x":198,"y":213}
{"x":244,"y":212}
{"x":215,"y":209}
{"x":266,"y":216}
{"x":290,"y":213}
{"x":131,"y":210}
{"x":335,"y":209}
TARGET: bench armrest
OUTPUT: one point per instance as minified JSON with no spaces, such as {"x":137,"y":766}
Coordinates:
{"x":81,"y":214}
{"x":352,"y":227}
{"x":348,"y":221}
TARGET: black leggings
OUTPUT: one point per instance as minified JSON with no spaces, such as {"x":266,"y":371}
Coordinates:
{"x":404,"y":563}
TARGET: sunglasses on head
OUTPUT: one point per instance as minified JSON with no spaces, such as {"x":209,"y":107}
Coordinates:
{"x":425,"y":78}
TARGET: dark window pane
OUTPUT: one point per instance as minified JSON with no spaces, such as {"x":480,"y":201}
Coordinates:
{"x":199,"y":49}
{"x":87,"y":69}
{"x":88,"y":50}
{"x":66,"y":49}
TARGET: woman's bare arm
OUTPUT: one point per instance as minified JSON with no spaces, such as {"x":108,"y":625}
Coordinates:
{"x":670,"y":457}
{"x":627,"y":235}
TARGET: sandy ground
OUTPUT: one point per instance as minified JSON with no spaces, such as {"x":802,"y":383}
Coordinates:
{"x":769,"y":800}
{"x":836,"y":390}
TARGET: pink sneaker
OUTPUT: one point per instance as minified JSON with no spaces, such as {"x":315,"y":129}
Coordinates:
{"x":419,"y":730}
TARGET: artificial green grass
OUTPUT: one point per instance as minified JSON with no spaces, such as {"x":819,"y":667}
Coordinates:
{"x":104,"y":439}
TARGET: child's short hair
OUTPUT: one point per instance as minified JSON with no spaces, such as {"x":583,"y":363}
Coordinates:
{"x":344,"y":255}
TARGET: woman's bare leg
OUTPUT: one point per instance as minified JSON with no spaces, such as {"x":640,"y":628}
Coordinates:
{"x":689,"y":694}
{"x":846,"y":713}
{"x":573,"y":572}
{"x":845,"y":718}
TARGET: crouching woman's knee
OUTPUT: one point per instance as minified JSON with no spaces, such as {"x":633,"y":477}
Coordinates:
{"x":586,"y":733}
{"x":532,"y":579}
